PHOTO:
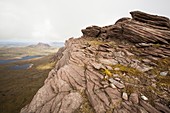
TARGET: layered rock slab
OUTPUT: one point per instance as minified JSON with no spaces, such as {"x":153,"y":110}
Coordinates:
{"x":109,"y":76}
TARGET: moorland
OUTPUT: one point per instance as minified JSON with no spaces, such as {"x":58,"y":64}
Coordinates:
{"x":17,"y":86}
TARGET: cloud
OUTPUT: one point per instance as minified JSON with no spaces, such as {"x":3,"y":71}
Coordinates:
{"x":44,"y":31}
{"x":58,"y":20}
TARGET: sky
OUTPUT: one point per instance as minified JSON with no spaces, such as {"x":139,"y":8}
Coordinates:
{"x":58,"y":20}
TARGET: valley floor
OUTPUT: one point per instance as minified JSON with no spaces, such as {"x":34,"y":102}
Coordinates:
{"x":17,"y":87}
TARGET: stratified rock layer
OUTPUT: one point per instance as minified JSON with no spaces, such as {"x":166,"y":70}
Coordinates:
{"x":111,"y":69}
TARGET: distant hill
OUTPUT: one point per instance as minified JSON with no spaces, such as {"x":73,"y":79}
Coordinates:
{"x":40,"y":45}
{"x":14,"y":44}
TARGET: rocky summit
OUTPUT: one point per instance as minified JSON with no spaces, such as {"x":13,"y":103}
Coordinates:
{"x":120,"y":68}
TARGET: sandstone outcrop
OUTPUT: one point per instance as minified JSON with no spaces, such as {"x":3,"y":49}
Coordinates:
{"x":109,"y":69}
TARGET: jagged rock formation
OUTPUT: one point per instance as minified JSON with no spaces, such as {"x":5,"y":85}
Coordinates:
{"x":122,"y":68}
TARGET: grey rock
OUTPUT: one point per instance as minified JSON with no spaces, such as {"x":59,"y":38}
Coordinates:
{"x":111,"y":80}
{"x":144,"y":97}
{"x":144,"y":45}
{"x":117,"y":84}
{"x":125,"y":96}
{"x":118,"y":79}
{"x":116,"y":69}
{"x":112,"y":85}
{"x":164,"y":73}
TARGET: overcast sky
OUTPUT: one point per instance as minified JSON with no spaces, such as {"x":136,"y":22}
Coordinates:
{"x":58,"y":20}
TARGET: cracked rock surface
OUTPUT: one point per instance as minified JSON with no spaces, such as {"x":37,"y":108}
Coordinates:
{"x":111,"y":69}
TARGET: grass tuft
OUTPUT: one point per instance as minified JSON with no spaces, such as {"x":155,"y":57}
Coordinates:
{"x":45,"y":66}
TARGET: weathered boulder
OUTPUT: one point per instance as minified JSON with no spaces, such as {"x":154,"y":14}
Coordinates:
{"x":92,"y":31}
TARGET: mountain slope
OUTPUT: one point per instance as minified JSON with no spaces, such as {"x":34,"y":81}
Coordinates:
{"x":123,"y":67}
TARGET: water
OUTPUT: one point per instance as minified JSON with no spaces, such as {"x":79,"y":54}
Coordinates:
{"x":30,"y":57}
{"x":7,"y":61}
{"x":23,"y":58}
{"x":20,"y":67}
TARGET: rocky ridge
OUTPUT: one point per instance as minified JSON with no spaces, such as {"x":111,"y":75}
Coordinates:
{"x":121,"y":68}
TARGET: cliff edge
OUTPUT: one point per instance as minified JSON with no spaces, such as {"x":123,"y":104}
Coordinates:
{"x":121,"y":68}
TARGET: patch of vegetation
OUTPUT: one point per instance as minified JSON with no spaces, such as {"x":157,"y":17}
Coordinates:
{"x":162,"y":65}
{"x":156,"y":45}
{"x":46,"y":66}
{"x":17,"y":87}
{"x":107,"y":72}
{"x":130,"y":89}
{"x":162,"y":82}
{"x":126,"y":69}
{"x":95,"y":41}
{"x":18,"y":52}
{"x":149,"y":91}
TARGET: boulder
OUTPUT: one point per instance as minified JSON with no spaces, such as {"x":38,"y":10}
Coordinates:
{"x":92,"y":31}
{"x":125,"y":96}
